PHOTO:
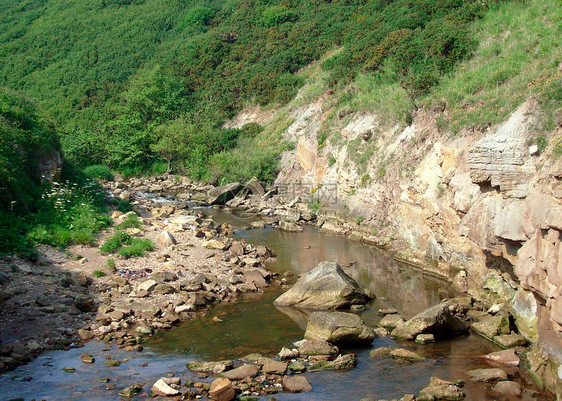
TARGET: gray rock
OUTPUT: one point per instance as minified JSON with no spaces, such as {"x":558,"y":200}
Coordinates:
{"x":296,"y":384}
{"x":347,"y":361}
{"x":274,"y":367}
{"x":404,"y":354}
{"x":425,"y":338}
{"x":436,"y":320}
{"x":290,"y":226}
{"x":487,"y":375}
{"x":224,"y":193}
{"x":327,"y":286}
{"x":445,"y":392}
{"x":510,"y":340}
{"x":380,"y":352}
{"x":162,"y":388}
{"x":210,"y":367}
{"x":241,"y":372}
{"x":131,"y":391}
{"x":508,"y":387}
{"x":492,"y":326}
{"x":338,"y":328}
{"x":391,"y":321}
{"x":314,"y":348}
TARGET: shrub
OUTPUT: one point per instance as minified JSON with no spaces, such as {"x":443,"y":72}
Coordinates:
{"x":110,"y":263}
{"x":132,"y":221}
{"x":137,"y":247}
{"x":115,"y":242}
{"x":277,"y":15}
{"x":98,"y":273}
{"x":99,"y":172}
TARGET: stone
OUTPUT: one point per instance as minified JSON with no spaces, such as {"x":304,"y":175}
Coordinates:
{"x":314,"y":348}
{"x":113,"y":363}
{"x":346,"y":361}
{"x":436,"y":320}
{"x":241,"y":372}
{"x":391,"y":321}
{"x":222,"y":194}
{"x":425,"y":338}
{"x":297,"y":367}
{"x":167,"y":239}
{"x":147,"y":285}
{"x":460,"y":282}
{"x":222,"y":390}
{"x":210,"y":367}
{"x":131,"y":391}
{"x":85,"y":334}
{"x":274,"y":367}
{"x":524,"y":309}
{"x":487,"y":375}
{"x":380,"y":352}
{"x":510,"y":340}
{"x":162,"y":388}
{"x":338,"y":328}
{"x":326,"y":286}
{"x":216,"y":244}
{"x":448,"y":392}
{"x":492,"y":326}
{"x":255,"y":187}
{"x":508,"y":387}
{"x":290,"y":226}
{"x":69,"y":369}
{"x":144,"y":310}
{"x":296,"y":384}
{"x":87,"y":358}
{"x":286,"y":353}
{"x":404,"y":354}
{"x":254,"y":276}
{"x":506,"y":357}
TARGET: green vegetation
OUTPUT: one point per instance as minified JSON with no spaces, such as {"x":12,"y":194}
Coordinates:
{"x":125,"y":244}
{"x":99,"y":172}
{"x":131,"y":221}
{"x":110,"y":263}
{"x":144,"y":87}
{"x":34,"y":210}
{"x":98,"y":273}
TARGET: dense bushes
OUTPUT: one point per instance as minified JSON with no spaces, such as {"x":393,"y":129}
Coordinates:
{"x":117,"y":76}
{"x":33,"y":210}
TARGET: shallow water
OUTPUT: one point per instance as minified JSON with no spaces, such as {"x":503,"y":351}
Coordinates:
{"x":254,"y":324}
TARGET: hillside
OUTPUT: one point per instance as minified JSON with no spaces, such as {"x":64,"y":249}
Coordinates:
{"x":112,"y":74}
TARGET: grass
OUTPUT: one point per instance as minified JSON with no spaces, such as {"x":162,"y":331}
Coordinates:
{"x":110,"y":263}
{"x":518,"y":57}
{"x":115,"y":242}
{"x":132,"y":221}
{"x":137,"y":247}
{"x":98,"y":273}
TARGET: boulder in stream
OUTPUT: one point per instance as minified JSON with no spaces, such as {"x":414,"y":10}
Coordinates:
{"x":326,"y":286}
{"x":224,"y":193}
{"x":436,"y":320}
{"x":338,"y":328}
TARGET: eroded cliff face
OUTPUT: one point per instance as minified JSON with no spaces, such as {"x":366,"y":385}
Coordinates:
{"x":482,"y":208}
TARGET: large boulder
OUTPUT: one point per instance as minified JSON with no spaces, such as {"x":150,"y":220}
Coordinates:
{"x":224,"y":193}
{"x":436,"y":320}
{"x":338,"y":328}
{"x":326,"y":286}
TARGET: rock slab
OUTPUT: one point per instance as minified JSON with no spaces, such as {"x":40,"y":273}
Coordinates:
{"x":338,"y":328}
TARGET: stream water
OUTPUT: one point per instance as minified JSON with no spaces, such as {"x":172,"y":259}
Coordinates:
{"x":254,"y":324}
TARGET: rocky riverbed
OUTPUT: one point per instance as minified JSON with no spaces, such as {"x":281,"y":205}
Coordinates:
{"x":197,"y":264}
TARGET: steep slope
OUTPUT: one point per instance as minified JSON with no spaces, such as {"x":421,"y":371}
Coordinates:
{"x":467,"y":185}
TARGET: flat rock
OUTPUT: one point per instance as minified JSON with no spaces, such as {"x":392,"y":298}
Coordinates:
{"x":443,"y":392}
{"x":380,"y":352}
{"x":210,"y":367}
{"x":506,"y":357}
{"x":274,"y":367}
{"x":315,"y":347}
{"x":404,"y":354}
{"x":492,"y":326}
{"x":436,"y":320}
{"x":131,"y":391}
{"x":487,"y":375}
{"x":164,"y":389}
{"x":222,"y":390}
{"x":425,"y":338}
{"x":222,"y":194}
{"x":347,"y":361}
{"x":510,"y":340}
{"x":296,"y":384}
{"x":508,"y":387}
{"x":391,"y":321}
{"x":338,"y":328}
{"x":242,"y":372}
{"x":326,"y":286}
